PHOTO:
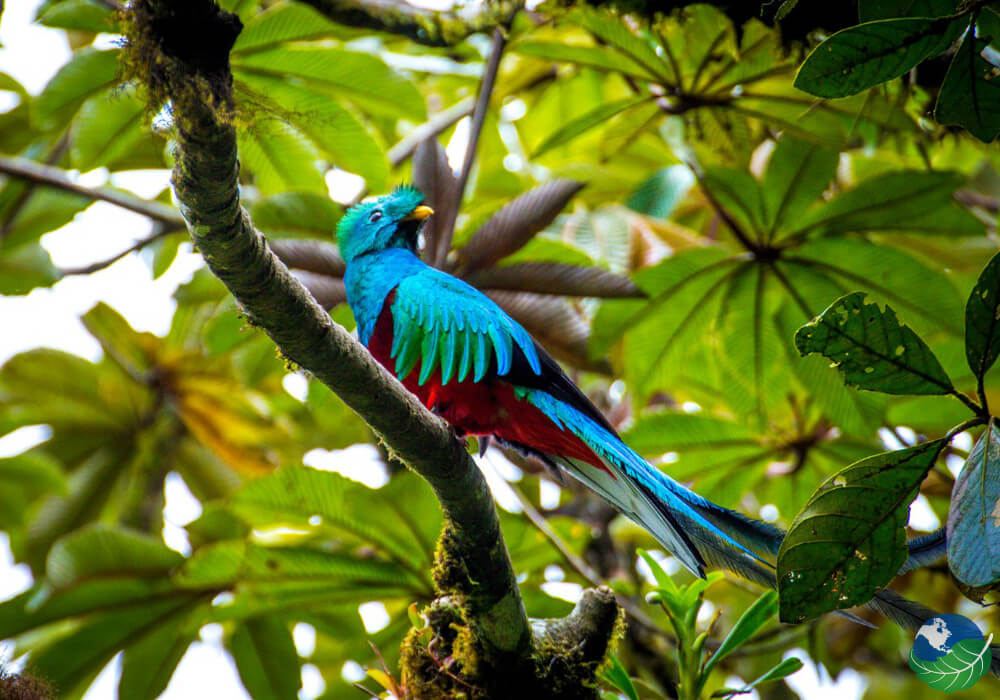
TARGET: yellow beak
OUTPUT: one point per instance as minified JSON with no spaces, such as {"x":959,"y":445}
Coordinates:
{"x":420,"y":213}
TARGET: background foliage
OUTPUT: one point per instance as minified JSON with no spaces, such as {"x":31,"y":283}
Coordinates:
{"x":663,"y":202}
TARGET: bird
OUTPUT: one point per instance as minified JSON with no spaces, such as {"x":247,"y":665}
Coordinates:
{"x":469,"y":362}
{"x":472,"y":364}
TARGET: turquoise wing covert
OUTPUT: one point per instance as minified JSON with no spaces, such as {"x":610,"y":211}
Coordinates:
{"x":449,"y":324}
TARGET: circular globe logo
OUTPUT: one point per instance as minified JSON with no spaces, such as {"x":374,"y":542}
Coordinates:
{"x":950,"y":653}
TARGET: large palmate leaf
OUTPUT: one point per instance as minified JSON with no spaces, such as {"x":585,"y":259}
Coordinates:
{"x":347,"y":510}
{"x":850,"y":539}
{"x":334,"y":130}
{"x":281,"y":158}
{"x":872,"y":349}
{"x":974,"y":515}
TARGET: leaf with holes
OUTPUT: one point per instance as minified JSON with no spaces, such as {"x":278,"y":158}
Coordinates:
{"x":974,"y":515}
{"x":850,"y":538}
{"x":872,"y":349}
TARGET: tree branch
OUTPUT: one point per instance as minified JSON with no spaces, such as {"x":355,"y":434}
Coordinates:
{"x":441,"y":28}
{"x":51,"y":176}
{"x":473,"y":566}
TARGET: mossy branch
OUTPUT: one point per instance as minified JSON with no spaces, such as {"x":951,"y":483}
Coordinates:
{"x":473,"y":566}
{"x":433,"y":28}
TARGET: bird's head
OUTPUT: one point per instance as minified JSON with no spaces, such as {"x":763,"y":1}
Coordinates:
{"x":390,"y":221}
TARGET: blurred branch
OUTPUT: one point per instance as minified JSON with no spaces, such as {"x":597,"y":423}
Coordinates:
{"x":50,"y":176}
{"x":159,"y":231}
{"x":473,"y":573}
{"x":478,"y":118}
{"x":429,"y":27}
{"x":429,"y":129}
{"x":53,"y":157}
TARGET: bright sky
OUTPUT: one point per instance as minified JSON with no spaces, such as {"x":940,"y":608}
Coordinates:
{"x":50,"y":318}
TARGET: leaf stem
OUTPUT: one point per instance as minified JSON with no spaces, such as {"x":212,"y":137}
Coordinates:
{"x":478,"y":119}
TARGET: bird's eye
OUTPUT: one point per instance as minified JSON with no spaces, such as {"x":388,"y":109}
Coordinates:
{"x":375,"y":216}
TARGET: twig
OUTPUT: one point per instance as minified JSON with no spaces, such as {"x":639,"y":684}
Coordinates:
{"x":582,"y":567}
{"x":50,"y":176}
{"x":159,"y":231}
{"x":478,"y":118}
{"x":429,"y":129}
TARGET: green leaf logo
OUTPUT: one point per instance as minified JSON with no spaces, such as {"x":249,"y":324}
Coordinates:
{"x":966,"y":662}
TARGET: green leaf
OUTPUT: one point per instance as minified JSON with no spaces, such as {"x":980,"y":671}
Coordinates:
{"x":636,"y":46}
{"x":617,"y":677}
{"x":595,"y":57}
{"x":126,"y":347}
{"x":351,"y":75}
{"x":109,"y":125}
{"x":869,"y":10}
{"x":281,"y":158}
{"x":23,"y":478}
{"x":25,"y":268}
{"x":872,"y":349}
{"x":87,"y":73}
{"x":970,"y":94}
{"x":100,"y":550}
{"x":974,"y":515}
{"x":908,"y":201}
{"x":982,"y":320}
{"x":752,"y":619}
{"x":46,"y":210}
{"x":335,"y":131}
{"x":298,"y":214}
{"x":739,"y":194}
{"x":965,"y":663}
{"x":797,"y":174}
{"x":284,"y":22}
{"x":348,"y":510}
{"x":85,"y":15}
{"x":148,"y":665}
{"x":860,"y":57}
{"x":850,"y":538}
{"x":585,"y":122}
{"x":77,"y":657}
{"x":664,"y":431}
{"x":266,"y":659}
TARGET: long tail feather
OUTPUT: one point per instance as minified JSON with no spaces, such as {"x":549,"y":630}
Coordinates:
{"x":699,"y":532}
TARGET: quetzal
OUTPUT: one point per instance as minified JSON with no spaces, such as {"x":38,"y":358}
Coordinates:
{"x":475,"y":366}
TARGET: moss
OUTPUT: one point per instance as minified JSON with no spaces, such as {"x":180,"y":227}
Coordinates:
{"x":178,"y":50}
{"x":23,"y":686}
{"x":446,"y":665}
